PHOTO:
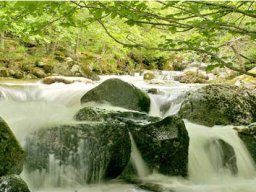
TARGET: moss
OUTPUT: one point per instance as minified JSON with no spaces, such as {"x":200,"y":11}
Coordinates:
{"x":11,"y":154}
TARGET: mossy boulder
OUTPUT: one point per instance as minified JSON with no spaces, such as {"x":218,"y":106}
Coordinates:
{"x":99,"y":114}
{"x":89,"y":152}
{"x":193,"y":77}
{"x":220,"y":105}
{"x":164,"y":145}
{"x":248,"y":136}
{"x":148,"y":75}
{"x":11,"y":154}
{"x":118,"y":93}
{"x":13,"y":183}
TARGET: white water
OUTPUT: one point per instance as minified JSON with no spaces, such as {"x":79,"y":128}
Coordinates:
{"x":31,"y":106}
{"x":137,"y":160}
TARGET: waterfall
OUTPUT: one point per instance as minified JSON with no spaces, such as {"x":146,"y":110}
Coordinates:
{"x":28,"y":107}
{"x":205,"y":165}
{"x":137,"y":160}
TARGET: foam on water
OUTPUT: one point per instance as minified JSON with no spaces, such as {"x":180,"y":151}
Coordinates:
{"x":30,"y":106}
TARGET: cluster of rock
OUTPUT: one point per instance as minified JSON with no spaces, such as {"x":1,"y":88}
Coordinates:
{"x":12,"y":157}
{"x":224,"y":105}
{"x":67,"y":67}
{"x":97,"y":146}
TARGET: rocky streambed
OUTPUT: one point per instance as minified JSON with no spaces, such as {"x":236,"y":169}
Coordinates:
{"x":86,"y":134}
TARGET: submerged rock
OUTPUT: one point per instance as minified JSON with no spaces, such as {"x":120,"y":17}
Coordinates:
{"x":248,"y":136}
{"x":227,"y":153}
{"x":11,"y":154}
{"x":118,"y":93}
{"x":164,"y":145}
{"x":13,"y":183}
{"x":220,"y":105}
{"x":91,"y":151}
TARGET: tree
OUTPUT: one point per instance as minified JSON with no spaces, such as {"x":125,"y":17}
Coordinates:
{"x":200,"y":25}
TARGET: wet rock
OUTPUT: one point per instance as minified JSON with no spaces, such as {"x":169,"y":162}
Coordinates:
{"x":11,"y":154}
{"x":148,"y":75}
{"x":98,"y":114}
{"x":163,"y":145}
{"x":190,"y":76}
{"x":118,"y":93}
{"x":13,"y":183}
{"x":220,"y":105}
{"x":91,"y":151}
{"x":248,"y":136}
{"x":65,"y":80}
{"x":153,"y":91}
{"x":227,"y":152}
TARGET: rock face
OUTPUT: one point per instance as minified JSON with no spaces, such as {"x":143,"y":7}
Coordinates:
{"x":164,"y":145}
{"x":248,"y":136}
{"x":11,"y":154}
{"x":13,"y":183}
{"x":220,"y":105}
{"x":118,"y":93}
{"x":92,"y":151}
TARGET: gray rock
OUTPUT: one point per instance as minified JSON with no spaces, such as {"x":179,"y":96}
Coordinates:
{"x":13,"y":183}
{"x":248,"y":136}
{"x":220,"y":105}
{"x":164,"y":145}
{"x":94,"y":151}
{"x":98,"y":114}
{"x":11,"y":154}
{"x":119,"y":93}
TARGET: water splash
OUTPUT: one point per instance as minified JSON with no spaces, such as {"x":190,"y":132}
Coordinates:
{"x":137,"y":160}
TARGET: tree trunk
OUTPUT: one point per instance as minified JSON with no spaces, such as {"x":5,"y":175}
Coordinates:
{"x":2,"y":41}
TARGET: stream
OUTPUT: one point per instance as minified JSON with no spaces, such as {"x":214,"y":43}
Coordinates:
{"x":30,"y":106}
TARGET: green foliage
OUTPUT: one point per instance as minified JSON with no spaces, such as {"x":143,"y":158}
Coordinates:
{"x":135,"y":34}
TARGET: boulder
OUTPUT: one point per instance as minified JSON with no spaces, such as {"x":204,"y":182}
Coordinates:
{"x":65,"y":80}
{"x":11,"y":154}
{"x":38,"y":72}
{"x":220,"y":105}
{"x":13,"y":183}
{"x":248,"y":136}
{"x":99,"y":114}
{"x":148,"y":75}
{"x":118,"y":93}
{"x":191,"y":76}
{"x":163,"y":145}
{"x":88,"y":152}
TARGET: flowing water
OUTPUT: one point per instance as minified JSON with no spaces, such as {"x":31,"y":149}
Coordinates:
{"x":32,"y":106}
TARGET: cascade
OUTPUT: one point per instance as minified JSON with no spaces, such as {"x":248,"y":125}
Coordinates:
{"x":137,"y":160}
{"x":28,"y":107}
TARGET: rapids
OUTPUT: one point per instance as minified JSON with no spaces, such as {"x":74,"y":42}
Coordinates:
{"x":28,"y":106}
